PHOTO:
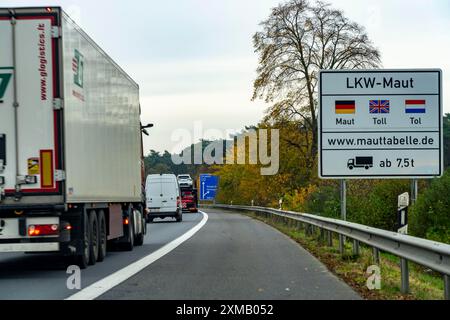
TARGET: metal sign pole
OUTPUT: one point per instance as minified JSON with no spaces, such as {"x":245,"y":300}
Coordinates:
{"x":414,"y":190}
{"x":343,"y":213}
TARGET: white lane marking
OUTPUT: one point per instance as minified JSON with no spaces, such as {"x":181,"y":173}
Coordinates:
{"x":100,"y":287}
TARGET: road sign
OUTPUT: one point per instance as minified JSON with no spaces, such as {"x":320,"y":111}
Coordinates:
{"x":208,"y":187}
{"x":403,"y":200}
{"x":402,"y":213}
{"x":380,"y":124}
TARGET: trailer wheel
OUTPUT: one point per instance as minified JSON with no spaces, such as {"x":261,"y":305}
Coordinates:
{"x":102,"y":236}
{"x":94,"y":230}
{"x":128,"y":246}
{"x":82,"y":259}
{"x":139,"y":239}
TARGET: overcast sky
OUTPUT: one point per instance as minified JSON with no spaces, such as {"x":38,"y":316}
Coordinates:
{"x":194,"y":59}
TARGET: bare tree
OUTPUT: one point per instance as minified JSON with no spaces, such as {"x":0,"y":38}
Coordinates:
{"x":298,"y":39}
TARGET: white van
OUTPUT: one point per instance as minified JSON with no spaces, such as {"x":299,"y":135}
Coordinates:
{"x":163,"y":197}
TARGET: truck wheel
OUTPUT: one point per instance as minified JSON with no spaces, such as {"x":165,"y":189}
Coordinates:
{"x":350,"y":167}
{"x":139,"y":239}
{"x":82,"y":259}
{"x":179,"y":217}
{"x":128,"y":246}
{"x":102,"y":236}
{"x":95,"y":240}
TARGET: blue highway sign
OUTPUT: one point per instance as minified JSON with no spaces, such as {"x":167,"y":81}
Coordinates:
{"x":208,"y":187}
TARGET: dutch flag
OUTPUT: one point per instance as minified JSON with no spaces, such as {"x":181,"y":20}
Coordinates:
{"x":415,"y":106}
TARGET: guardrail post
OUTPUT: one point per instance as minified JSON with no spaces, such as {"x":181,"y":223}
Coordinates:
{"x":322,"y":235}
{"x":330,"y":238}
{"x":446,"y":287}
{"x":309,"y":230}
{"x":405,"y":276}
{"x":355,"y":247}
{"x":341,"y":244}
{"x":376,"y":255}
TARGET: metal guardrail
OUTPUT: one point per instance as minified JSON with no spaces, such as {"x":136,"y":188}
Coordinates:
{"x":431,"y":254}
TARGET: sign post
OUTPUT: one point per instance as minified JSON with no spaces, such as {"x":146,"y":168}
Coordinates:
{"x":414,"y":190}
{"x":402,"y":213}
{"x":343,"y":189}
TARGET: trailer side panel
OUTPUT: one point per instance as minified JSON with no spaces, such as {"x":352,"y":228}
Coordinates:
{"x":101,"y":122}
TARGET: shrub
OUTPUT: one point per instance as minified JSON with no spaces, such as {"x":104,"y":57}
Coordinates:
{"x":324,"y":201}
{"x":430,"y":216}
{"x":382,"y":204}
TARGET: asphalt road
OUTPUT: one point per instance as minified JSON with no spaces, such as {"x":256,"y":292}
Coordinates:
{"x":231,"y":257}
{"x":234,"y":257}
{"x":43,"y":276}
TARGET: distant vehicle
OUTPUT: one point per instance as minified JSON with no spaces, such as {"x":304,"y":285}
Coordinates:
{"x":360,"y":162}
{"x":189,"y":199}
{"x":163,"y":197}
{"x":185,"y":180}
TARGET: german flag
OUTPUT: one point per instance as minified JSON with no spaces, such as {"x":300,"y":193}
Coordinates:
{"x":345,"y":107}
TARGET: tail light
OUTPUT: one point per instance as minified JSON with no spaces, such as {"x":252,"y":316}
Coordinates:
{"x":43,"y":230}
{"x":126,"y":221}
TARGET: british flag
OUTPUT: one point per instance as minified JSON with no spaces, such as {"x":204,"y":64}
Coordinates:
{"x":379,"y":106}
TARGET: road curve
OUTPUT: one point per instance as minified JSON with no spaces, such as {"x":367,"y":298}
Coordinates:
{"x":234,"y":257}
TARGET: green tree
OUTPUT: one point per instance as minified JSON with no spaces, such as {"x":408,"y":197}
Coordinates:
{"x":298,"y":39}
{"x":430,"y":216}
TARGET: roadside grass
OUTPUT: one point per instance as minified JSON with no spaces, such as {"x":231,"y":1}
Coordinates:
{"x":424,"y":284}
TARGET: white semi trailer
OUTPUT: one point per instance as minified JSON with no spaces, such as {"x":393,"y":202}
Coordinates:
{"x":71,"y":163}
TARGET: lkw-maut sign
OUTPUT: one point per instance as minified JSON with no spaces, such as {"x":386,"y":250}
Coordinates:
{"x":380,"y":124}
